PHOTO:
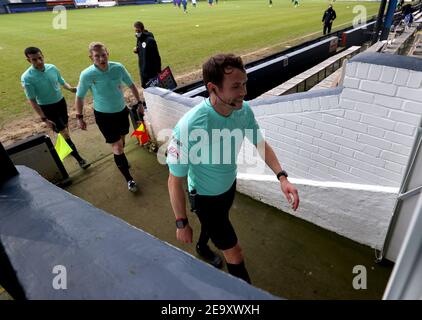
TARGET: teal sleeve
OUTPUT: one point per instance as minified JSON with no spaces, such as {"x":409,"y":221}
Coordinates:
{"x":256,"y":136}
{"x":29,"y":89}
{"x":127,"y":79}
{"x":83,"y":87}
{"x":177,"y":155}
{"x":59,"y":77}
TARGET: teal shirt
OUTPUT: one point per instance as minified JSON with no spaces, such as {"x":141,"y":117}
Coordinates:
{"x":106,"y":86}
{"x":43,"y":86}
{"x":205,"y":146}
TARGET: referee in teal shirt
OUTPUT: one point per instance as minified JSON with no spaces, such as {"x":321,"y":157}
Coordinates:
{"x":41,"y":83}
{"x":211,"y":173}
{"x":104,"y":79}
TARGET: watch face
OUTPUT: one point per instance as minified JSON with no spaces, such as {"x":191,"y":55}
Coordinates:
{"x":180,"y":224}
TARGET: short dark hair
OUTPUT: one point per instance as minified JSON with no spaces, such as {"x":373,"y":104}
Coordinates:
{"x":214,"y":69}
{"x":139,"y":24}
{"x":31,"y":50}
{"x":94,"y":46}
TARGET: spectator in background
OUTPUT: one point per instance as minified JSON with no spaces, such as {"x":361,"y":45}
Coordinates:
{"x":149,"y":59}
{"x":406,"y":9}
{"x":407,"y":14}
{"x":185,"y":6}
{"x":327,"y":19}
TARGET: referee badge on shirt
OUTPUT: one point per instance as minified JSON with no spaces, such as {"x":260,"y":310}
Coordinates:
{"x":173,"y":149}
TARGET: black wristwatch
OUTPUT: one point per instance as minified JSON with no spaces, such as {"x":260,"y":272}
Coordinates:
{"x":282,"y":173}
{"x":181,"y":223}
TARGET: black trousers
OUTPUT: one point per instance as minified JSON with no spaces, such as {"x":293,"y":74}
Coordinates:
{"x":327,"y":27}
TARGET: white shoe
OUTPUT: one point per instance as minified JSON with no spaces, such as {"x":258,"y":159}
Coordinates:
{"x":132,"y":186}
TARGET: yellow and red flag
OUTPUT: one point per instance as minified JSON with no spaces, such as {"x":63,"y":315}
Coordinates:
{"x":141,"y":134}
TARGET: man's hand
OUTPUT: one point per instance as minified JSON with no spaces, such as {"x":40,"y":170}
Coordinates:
{"x":290,"y":192}
{"x":184,"y":235}
{"x":68,"y":87}
{"x":135,"y":50}
{"x":81,"y":124}
{"x":141,"y":110}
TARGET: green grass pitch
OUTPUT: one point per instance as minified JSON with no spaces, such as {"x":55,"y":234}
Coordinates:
{"x":184,"y":40}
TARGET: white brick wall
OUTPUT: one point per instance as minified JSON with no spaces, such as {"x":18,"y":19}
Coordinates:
{"x":378,"y":87}
{"x":390,"y":102}
{"x":161,"y":114}
{"x":368,"y":225}
{"x":415,"y":80}
{"x":372,"y":142}
{"x":410,"y":94}
{"x":357,"y":95}
{"x":375,"y":72}
{"x":401,"y":77}
{"x":356,"y":133}
{"x":388,"y":74}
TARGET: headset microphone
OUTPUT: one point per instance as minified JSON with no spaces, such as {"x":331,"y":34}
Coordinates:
{"x":232,"y":104}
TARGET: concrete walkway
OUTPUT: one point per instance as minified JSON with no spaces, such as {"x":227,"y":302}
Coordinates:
{"x":285,"y":255}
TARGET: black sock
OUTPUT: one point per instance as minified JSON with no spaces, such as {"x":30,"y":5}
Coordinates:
{"x":239,"y":270}
{"x":123,"y":165}
{"x":74,"y":153}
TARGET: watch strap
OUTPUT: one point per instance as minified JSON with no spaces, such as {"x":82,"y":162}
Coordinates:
{"x":282,"y":173}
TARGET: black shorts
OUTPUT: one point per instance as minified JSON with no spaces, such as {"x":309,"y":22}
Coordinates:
{"x":113,"y":125}
{"x":56,"y":112}
{"x":213,"y":213}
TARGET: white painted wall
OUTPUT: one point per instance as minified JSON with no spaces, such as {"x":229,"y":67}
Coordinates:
{"x":360,"y":135}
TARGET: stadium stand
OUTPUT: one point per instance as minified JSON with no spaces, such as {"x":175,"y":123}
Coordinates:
{"x":16,"y":6}
{"x":2,"y":7}
{"x":128,"y":2}
{"x":68,"y":4}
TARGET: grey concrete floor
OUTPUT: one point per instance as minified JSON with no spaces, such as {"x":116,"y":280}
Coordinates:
{"x":284,"y":254}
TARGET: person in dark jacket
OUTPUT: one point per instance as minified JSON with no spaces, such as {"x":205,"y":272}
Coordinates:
{"x":407,"y":14}
{"x":328,"y":17}
{"x":149,"y":59}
